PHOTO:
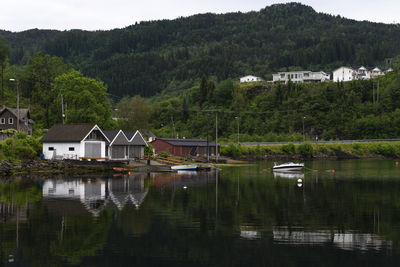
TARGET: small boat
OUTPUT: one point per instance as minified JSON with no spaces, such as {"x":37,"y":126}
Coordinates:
{"x":288,"y":166}
{"x":120,"y":170}
{"x":188,"y":167}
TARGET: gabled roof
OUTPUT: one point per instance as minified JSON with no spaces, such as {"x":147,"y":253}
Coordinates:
{"x":23,"y":113}
{"x":120,"y":139}
{"x":186,"y":142}
{"x":75,"y":132}
{"x":138,"y":140}
{"x":111,"y":134}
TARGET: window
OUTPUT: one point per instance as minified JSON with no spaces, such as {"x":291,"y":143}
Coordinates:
{"x":2,"y":121}
{"x":71,"y":148}
{"x":51,"y":148}
{"x":10,"y":121}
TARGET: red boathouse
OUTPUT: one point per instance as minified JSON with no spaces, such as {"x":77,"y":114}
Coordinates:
{"x":181,"y":147}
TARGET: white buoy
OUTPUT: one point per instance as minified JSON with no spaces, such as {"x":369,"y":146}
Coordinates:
{"x":185,"y":187}
{"x":299,"y":181}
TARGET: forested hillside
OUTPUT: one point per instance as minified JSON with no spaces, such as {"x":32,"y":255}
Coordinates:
{"x":151,"y":57}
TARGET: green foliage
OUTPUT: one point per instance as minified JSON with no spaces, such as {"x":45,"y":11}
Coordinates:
{"x":145,"y":58}
{"x":133,"y":113}
{"x":289,"y":148}
{"x":87,"y":99}
{"x":20,"y":148}
{"x":305,"y":149}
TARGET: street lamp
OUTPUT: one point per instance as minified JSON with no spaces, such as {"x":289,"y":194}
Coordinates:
{"x":237,"y":121}
{"x":14,"y":80}
{"x":304,"y":137}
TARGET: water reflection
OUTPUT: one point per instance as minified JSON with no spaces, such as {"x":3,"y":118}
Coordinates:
{"x":241,"y":215}
{"x":346,"y":241}
{"x":82,"y":197}
{"x":289,"y":175}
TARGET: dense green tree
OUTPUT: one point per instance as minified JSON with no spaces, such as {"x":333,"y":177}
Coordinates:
{"x":85,"y":100}
{"x":133,"y":113}
{"x":40,"y":74}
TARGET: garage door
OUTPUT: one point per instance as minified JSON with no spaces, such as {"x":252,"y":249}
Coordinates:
{"x":93,"y":150}
{"x":135,"y":152}
{"x":118,"y":152}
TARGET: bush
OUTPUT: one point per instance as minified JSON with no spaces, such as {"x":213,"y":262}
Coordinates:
{"x":305,"y":149}
{"x":289,"y":148}
{"x":386,"y":150}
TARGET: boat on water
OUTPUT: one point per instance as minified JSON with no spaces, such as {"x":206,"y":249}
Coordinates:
{"x":288,"y":166}
{"x":120,"y":170}
{"x":187,"y":167}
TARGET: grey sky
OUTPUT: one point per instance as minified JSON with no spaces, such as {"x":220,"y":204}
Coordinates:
{"x":19,"y":15}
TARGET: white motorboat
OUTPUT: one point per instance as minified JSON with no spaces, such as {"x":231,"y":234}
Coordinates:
{"x":288,"y":166}
{"x":187,"y":167}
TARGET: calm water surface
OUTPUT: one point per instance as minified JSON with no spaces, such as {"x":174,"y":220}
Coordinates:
{"x":238,"y":216}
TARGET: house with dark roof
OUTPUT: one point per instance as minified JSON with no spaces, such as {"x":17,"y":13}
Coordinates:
{"x":182,"y":147}
{"x":75,"y":141}
{"x":125,"y":144}
{"x":17,"y":119}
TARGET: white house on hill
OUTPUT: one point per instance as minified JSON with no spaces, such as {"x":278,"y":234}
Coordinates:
{"x":250,"y":78}
{"x":300,"y":76}
{"x":345,"y":74}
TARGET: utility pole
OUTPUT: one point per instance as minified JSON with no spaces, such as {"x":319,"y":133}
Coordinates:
{"x":62,"y":109}
{"x":17,"y":106}
{"x":304,"y":137}
{"x":173,"y":125}
{"x":216,"y":137}
{"x":208,"y":146}
{"x":377,"y":96}
{"x":237,"y":121}
{"x":373,"y":92}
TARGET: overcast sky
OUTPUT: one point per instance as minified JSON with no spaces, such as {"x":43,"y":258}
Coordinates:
{"x":19,"y":15}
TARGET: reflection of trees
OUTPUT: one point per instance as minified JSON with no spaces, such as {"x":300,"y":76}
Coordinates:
{"x":15,"y":199}
{"x":82,"y":237}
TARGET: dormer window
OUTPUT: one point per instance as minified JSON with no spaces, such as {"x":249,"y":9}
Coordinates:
{"x":10,"y":121}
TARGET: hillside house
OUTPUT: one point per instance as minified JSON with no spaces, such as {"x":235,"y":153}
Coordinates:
{"x":250,"y":78}
{"x":300,"y":76}
{"x":183,"y":147}
{"x":9,"y":119}
{"x":345,"y":74}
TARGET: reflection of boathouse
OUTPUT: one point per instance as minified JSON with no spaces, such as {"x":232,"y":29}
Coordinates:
{"x":90,"y":197}
{"x":127,"y":190}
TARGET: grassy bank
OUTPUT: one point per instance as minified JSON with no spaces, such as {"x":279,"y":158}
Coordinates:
{"x":307,"y":150}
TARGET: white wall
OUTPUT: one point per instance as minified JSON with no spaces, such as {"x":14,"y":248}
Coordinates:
{"x":343,"y":74}
{"x":250,"y":78}
{"x":62,"y":149}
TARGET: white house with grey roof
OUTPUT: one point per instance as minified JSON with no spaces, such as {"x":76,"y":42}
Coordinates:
{"x":75,"y":141}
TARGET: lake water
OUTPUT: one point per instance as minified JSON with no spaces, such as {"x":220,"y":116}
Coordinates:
{"x":241,"y":215}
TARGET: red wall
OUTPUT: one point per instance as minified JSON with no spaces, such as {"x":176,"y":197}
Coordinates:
{"x":160,"y":146}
